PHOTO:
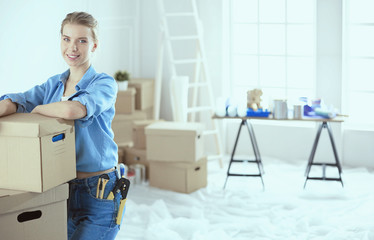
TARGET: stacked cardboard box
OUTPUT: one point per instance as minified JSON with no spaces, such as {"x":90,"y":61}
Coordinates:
{"x":176,"y":157}
{"x":144,"y":97}
{"x":137,"y":154}
{"x":134,"y":104}
{"x":122,"y":127}
{"x":125,"y":103}
{"x":34,"y":216}
{"x":37,"y":152}
{"x":38,"y":157}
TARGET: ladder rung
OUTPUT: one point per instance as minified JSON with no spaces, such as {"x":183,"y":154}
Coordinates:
{"x":184,"y":61}
{"x":192,"y":37}
{"x":210,"y":132}
{"x":199,"y":109}
{"x":179,"y":14}
{"x":200,"y":84}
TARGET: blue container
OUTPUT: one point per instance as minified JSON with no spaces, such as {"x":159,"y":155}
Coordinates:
{"x":259,"y":113}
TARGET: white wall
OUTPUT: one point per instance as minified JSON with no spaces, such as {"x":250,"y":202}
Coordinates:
{"x":30,"y":39}
{"x":280,"y":140}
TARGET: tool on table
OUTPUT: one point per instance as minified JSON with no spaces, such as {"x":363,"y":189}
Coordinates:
{"x":101,"y":183}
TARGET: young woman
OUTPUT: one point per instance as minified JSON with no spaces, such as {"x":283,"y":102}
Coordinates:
{"x":88,"y":97}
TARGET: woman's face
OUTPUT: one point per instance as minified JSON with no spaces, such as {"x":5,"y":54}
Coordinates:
{"x":77,"y":45}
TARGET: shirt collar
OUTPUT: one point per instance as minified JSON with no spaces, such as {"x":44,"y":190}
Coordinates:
{"x":86,"y":79}
{"x":64,"y":76}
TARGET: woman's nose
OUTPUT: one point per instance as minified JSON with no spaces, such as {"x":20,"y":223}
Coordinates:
{"x":73,"y":46}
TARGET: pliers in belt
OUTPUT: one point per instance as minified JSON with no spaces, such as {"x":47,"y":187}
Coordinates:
{"x":122,"y":186}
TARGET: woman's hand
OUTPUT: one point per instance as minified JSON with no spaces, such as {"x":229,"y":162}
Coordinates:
{"x":7,"y":107}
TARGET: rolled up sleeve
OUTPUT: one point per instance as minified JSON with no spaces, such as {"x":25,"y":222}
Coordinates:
{"x":28,"y":100}
{"x":98,"y":97}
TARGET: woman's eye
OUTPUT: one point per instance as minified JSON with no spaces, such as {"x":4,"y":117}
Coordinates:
{"x":82,"y":41}
{"x":66,"y":39}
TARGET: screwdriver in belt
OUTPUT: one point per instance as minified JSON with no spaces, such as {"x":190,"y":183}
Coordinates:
{"x":103,"y":180}
{"x":119,"y":185}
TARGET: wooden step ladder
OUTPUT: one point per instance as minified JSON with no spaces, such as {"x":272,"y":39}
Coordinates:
{"x":198,"y":74}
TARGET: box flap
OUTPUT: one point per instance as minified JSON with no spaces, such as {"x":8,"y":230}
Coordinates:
{"x":130,"y":117}
{"x":138,"y":82}
{"x":144,"y":123}
{"x":129,"y":91}
{"x":6,"y":192}
{"x":12,"y":201}
{"x":136,"y":151}
{"x":174,"y":128}
{"x":183,"y":165}
{"x":32,"y":125}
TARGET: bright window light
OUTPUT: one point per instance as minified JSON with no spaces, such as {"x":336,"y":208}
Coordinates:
{"x":359,"y":63}
{"x":272,"y":47}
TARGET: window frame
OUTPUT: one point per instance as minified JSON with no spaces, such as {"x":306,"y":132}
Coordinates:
{"x":286,"y":56}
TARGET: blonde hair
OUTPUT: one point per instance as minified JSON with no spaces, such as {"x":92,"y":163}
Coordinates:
{"x":81,"y":18}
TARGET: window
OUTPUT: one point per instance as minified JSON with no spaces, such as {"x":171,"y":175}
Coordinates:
{"x":272,"y":47}
{"x":359,"y":62}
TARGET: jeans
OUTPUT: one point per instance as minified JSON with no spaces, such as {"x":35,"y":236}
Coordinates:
{"x":89,"y":217}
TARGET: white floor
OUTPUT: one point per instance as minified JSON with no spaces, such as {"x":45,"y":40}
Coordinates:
{"x":284,"y":210}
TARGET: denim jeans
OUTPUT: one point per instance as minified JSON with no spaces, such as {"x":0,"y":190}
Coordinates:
{"x":89,"y":217}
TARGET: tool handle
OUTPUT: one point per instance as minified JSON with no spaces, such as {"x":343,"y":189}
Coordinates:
{"x":102,"y":190}
{"x":98,"y":188}
{"x":122,"y":169}
{"x":120,"y":211}
{"x":110,"y":196}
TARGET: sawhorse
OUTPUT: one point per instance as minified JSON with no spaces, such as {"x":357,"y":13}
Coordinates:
{"x":323,"y":125}
{"x":257,"y":159}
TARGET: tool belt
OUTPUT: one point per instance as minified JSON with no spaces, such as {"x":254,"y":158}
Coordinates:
{"x":122,"y":186}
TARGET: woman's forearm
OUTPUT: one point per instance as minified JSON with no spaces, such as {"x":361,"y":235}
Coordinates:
{"x":66,"y":109}
{"x":7,"y":107}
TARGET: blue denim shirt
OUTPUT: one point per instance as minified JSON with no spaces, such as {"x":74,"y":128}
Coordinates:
{"x":95,"y":147}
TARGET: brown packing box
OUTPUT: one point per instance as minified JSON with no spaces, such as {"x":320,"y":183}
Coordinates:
{"x":149,"y":112}
{"x":37,"y":152}
{"x":179,"y":177}
{"x":137,"y":156}
{"x":125,"y":102}
{"x":174,"y":141}
{"x":144,"y":92}
{"x":122,"y":126}
{"x":34,"y":216}
{"x":121,"y":155}
{"x":138,"y":135}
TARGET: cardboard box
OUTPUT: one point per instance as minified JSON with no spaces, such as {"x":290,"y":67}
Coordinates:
{"x":138,"y":135}
{"x":125,"y":103}
{"x":37,"y":152}
{"x":122,"y":126}
{"x":174,"y":141}
{"x":149,"y":112}
{"x":144,"y":97}
{"x":137,"y":156}
{"x":179,"y":177}
{"x":34,"y":216}
{"x":121,"y":155}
